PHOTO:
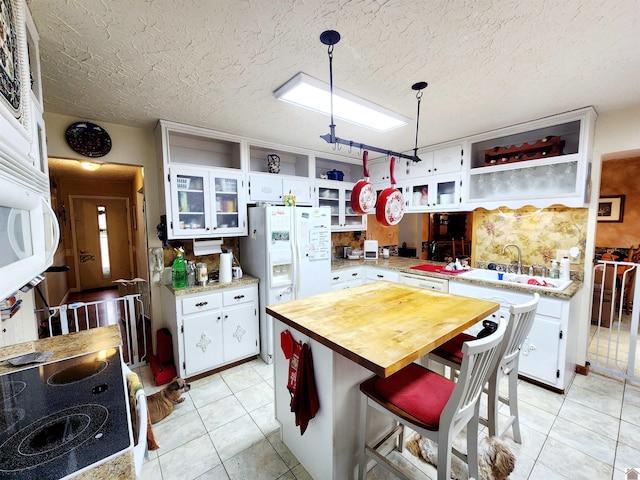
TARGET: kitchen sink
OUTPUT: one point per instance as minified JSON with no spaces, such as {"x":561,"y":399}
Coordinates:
{"x":541,"y":283}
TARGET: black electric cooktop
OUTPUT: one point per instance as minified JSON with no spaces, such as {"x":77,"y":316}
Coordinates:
{"x":58,"y":418}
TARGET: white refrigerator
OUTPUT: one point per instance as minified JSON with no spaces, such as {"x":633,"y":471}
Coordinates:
{"x":289,"y":250}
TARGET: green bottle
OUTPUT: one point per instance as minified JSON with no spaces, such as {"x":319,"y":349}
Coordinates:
{"x":179,"y":271}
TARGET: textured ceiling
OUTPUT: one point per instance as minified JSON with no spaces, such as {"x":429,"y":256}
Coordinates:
{"x":215,"y":63}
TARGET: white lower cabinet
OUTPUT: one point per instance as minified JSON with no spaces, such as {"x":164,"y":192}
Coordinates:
{"x":548,"y":353}
{"x":212,"y":329}
{"x":349,"y":277}
{"x":374,"y":274}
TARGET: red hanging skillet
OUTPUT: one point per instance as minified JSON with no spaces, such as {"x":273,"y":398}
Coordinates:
{"x":363,"y":195}
{"x":390,"y":206}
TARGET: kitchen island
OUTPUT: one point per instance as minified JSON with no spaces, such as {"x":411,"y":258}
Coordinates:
{"x":120,"y":466}
{"x":374,"y":328}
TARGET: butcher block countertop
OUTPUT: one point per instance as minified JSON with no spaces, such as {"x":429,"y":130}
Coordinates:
{"x":382,"y":326}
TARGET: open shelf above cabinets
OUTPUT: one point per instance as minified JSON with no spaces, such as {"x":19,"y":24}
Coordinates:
{"x":195,"y":146}
{"x":540,"y":163}
{"x":350,"y":168}
{"x":288,"y":162}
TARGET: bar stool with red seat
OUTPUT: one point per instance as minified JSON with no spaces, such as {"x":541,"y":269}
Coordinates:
{"x":450,"y":354}
{"x":431,"y":405}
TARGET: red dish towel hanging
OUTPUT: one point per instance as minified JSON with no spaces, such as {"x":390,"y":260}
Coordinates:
{"x":301,"y":381}
{"x":304,"y":402}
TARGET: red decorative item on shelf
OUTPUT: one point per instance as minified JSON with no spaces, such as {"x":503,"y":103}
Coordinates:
{"x":546,"y":147}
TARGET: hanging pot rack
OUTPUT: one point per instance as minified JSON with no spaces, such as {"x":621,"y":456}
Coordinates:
{"x":330,"y":38}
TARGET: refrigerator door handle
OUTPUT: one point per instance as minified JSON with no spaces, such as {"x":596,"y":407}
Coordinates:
{"x":295,"y":262}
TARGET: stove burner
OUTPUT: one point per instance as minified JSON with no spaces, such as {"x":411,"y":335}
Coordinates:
{"x":51,"y":437}
{"x":10,"y":389}
{"x":77,"y":372}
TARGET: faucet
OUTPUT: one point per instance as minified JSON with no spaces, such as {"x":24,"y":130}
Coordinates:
{"x":519,"y":255}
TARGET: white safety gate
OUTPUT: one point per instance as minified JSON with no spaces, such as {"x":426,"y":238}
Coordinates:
{"x":614,"y":330}
{"x":77,"y":316}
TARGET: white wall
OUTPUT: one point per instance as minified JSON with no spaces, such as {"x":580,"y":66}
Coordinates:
{"x":130,"y":146}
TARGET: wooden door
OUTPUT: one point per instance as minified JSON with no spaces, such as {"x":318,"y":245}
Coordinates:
{"x":102,"y":241}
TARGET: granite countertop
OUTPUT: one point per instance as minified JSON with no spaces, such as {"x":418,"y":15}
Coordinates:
{"x":213,"y":286}
{"x":64,"y":346}
{"x":403,"y":265}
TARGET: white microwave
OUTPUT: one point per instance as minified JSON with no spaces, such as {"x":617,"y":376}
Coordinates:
{"x":29,"y":235}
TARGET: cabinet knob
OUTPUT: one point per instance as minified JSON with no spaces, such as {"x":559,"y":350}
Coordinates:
{"x":226,"y":316}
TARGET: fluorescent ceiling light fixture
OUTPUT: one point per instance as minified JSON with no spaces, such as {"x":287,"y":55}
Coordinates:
{"x":314,"y":94}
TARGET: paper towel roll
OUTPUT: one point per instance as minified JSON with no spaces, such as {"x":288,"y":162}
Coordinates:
{"x":224,"y":275}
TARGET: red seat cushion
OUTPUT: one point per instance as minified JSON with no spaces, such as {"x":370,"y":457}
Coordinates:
{"x":452,"y":350}
{"x":417,"y":391}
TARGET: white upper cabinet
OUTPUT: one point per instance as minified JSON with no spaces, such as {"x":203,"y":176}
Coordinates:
{"x":337,"y":196}
{"x":538,"y":163}
{"x":433,"y":193}
{"x":205,"y":188}
{"x":435,"y":182}
{"x":206,"y":202}
{"x":23,"y":156}
{"x":289,"y":175}
{"x":380,"y":171}
{"x":438,"y":161}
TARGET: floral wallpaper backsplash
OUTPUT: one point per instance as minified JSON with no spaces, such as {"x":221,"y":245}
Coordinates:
{"x":538,"y":232}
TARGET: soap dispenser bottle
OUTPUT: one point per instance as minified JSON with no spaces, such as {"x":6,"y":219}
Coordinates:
{"x":554,"y":272}
{"x":179,"y":270}
{"x":565,"y":268}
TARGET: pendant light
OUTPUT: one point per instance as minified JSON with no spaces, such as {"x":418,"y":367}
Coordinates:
{"x":331,"y":38}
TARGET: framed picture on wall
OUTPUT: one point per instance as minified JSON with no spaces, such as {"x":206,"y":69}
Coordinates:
{"x":611,"y":209}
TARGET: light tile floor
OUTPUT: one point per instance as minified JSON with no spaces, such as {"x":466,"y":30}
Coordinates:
{"x":226,"y":430}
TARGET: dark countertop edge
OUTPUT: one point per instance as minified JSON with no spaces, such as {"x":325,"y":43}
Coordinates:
{"x":213,"y":286}
{"x":403,"y":265}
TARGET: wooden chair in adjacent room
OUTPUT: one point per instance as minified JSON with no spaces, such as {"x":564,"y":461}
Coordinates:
{"x":626,"y":278}
{"x":451,"y":354}
{"x":431,"y":405}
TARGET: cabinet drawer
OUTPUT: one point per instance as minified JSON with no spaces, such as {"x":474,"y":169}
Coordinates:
{"x":241,"y":295}
{"x":201,"y":303}
{"x":382,"y":274}
{"x":346,"y":275}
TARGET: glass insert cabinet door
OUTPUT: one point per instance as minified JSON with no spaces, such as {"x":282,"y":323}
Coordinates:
{"x":226,"y":202}
{"x":330,"y":197}
{"x":189,"y":203}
